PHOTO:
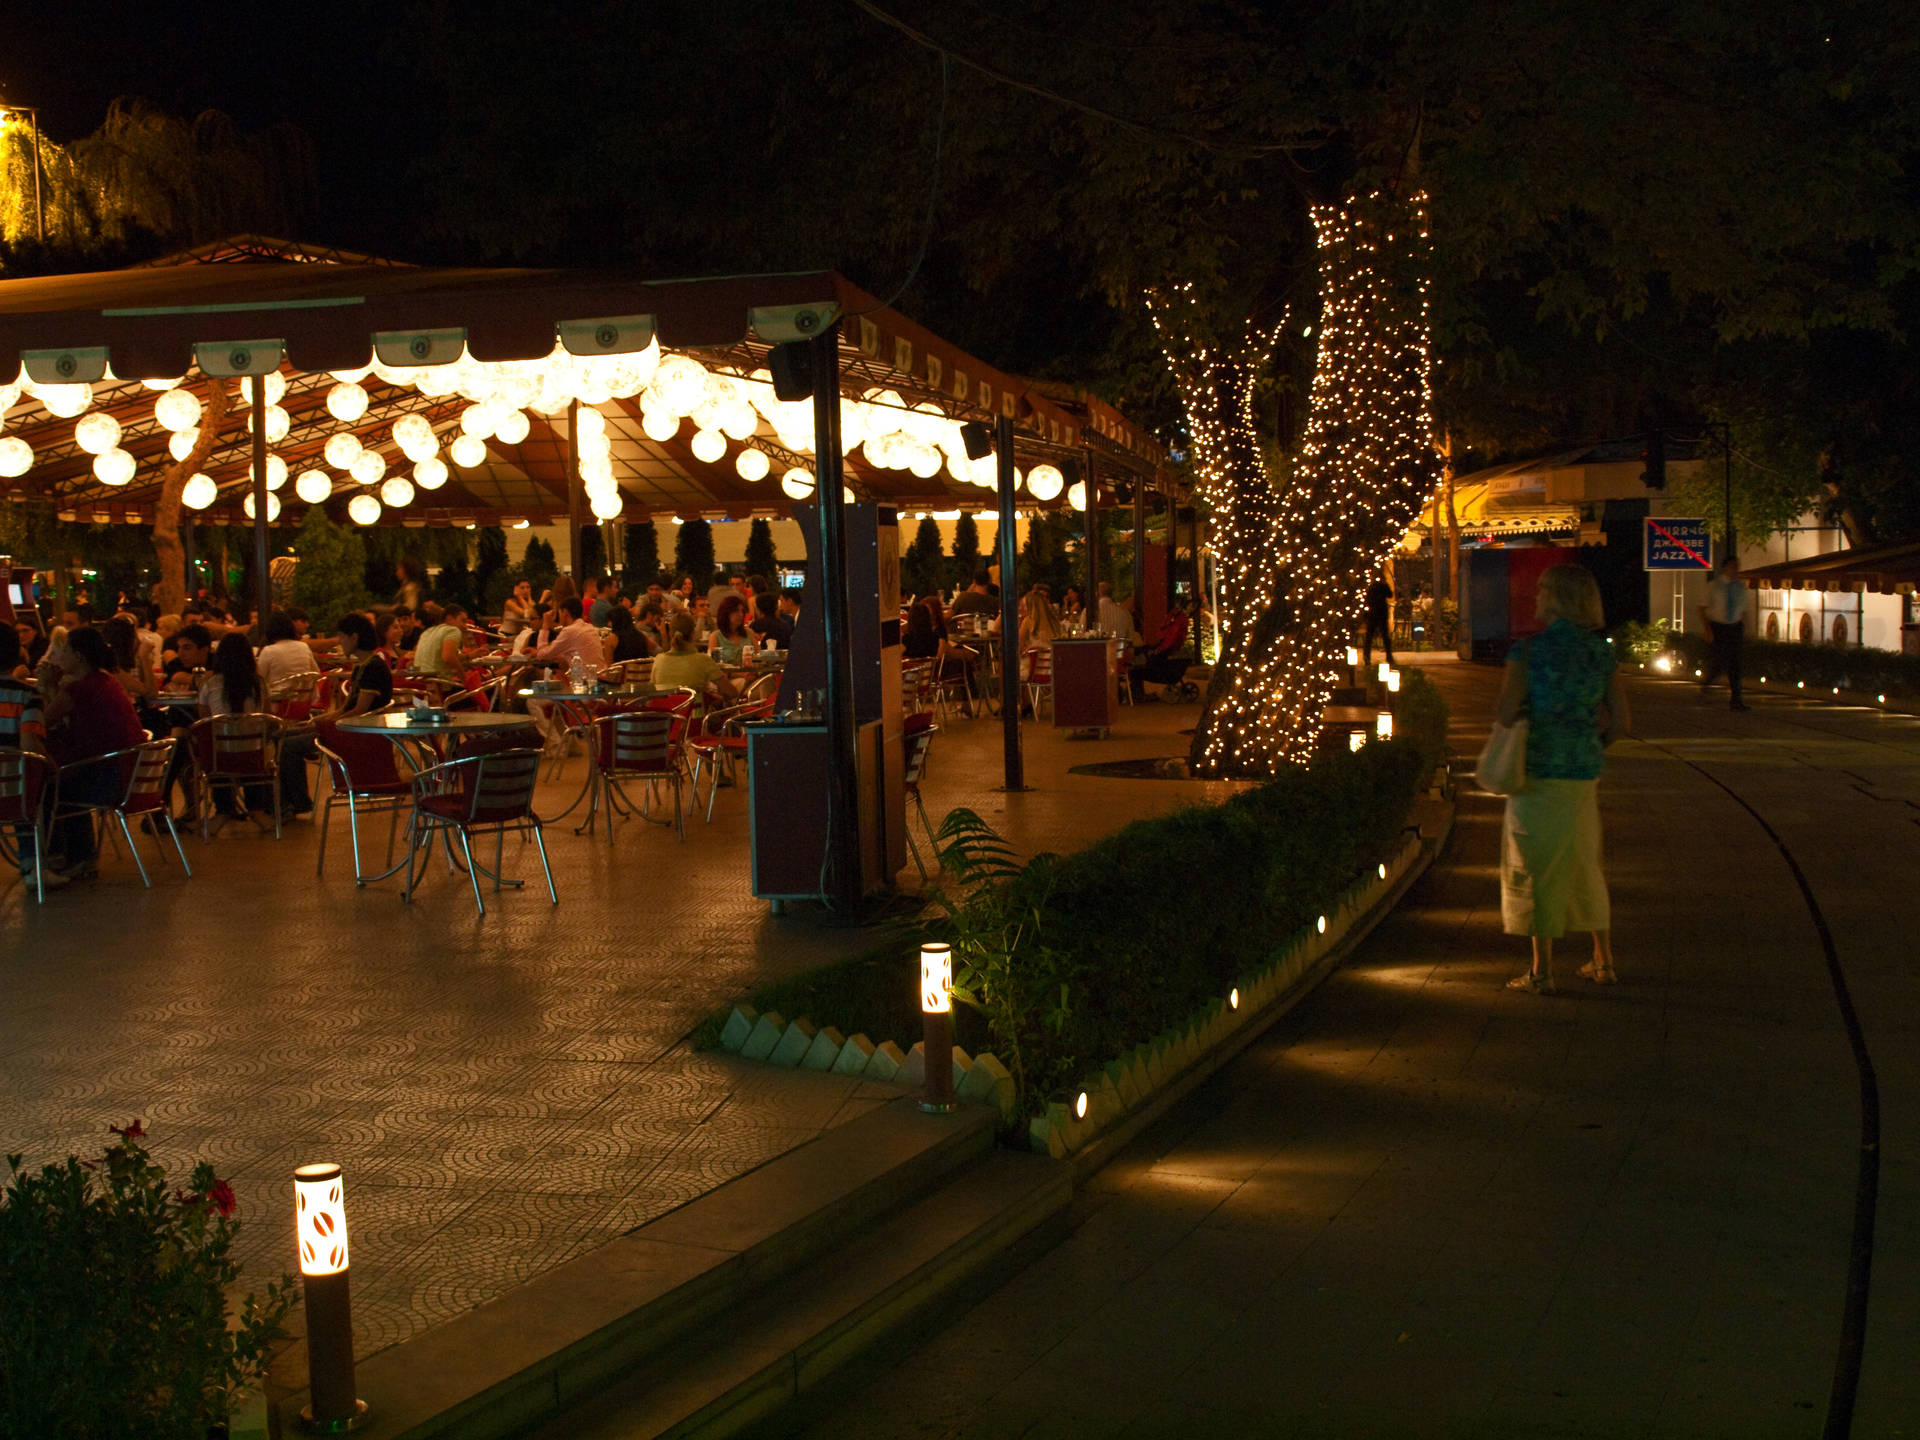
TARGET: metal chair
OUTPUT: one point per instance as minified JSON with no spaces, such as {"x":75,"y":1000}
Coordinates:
{"x":363,"y":774}
{"x":237,"y":751}
{"x":720,"y":740}
{"x":1039,"y":681}
{"x":24,"y":779}
{"x":916,"y":741}
{"x":1123,"y":671}
{"x":636,"y":745}
{"x":294,"y":697}
{"x":477,"y":794}
{"x":144,"y":794}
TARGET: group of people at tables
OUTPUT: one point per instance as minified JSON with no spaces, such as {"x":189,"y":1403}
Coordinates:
{"x":90,"y":690}
{"x":938,"y":633}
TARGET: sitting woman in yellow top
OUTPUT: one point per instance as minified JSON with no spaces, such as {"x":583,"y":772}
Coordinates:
{"x":684,"y":666}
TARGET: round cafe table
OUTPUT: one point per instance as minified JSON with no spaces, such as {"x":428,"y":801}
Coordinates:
{"x":419,"y":741}
{"x":579,"y":709}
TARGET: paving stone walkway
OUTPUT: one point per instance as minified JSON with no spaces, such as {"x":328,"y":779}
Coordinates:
{"x":1425,"y":1206}
{"x":504,"y":1092}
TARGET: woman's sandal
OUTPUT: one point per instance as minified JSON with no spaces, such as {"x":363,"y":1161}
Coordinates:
{"x":1532,"y":984}
{"x":1599,"y":974}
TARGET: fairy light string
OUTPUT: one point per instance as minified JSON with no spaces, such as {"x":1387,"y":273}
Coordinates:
{"x":1298,"y":541}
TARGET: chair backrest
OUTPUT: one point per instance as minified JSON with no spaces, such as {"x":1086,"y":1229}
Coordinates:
{"x":500,"y":788}
{"x":146,"y":776}
{"x":363,"y":764}
{"x":23,"y":779}
{"x":226,"y":745}
{"x":913,"y":750}
{"x":1040,"y":665}
{"x":636,"y":742}
{"x":292,"y":697}
{"x":488,"y":742}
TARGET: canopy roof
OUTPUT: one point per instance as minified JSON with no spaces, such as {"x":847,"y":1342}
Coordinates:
{"x":1892,"y":568}
{"x":254,"y":306}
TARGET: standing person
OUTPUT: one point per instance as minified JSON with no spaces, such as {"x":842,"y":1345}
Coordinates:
{"x":412,"y":586}
{"x":1379,"y":620}
{"x":1725,"y":614}
{"x":1564,"y":681}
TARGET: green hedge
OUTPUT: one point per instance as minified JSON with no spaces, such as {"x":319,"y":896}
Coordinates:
{"x":1867,"y":672}
{"x":1107,"y":947}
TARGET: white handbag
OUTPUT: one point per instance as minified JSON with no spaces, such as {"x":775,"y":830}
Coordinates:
{"x":1502,"y":767}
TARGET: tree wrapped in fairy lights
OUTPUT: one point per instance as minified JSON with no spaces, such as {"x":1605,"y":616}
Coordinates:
{"x":1297,"y":539}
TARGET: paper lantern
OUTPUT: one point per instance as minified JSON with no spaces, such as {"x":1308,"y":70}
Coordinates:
{"x":414,"y":435}
{"x":797,"y":483}
{"x":659,"y":425}
{"x":113,"y":467}
{"x":180,"y":444}
{"x":346,"y":402}
{"x":752,"y":464}
{"x":278,"y":424}
{"x":608,"y":506}
{"x":368,"y":466}
{"x":276,"y":387}
{"x":16,"y":456}
{"x":352,"y":377}
{"x":199,"y":492}
{"x":589,"y":421}
{"x":679,"y":385}
{"x":273,"y":506}
{"x":66,"y":401}
{"x":276,"y":472}
{"x":313,"y":486}
{"x":156,"y":383}
{"x":1077,"y":495}
{"x":477,"y":421}
{"x":342,"y":449}
{"x":363,"y":509}
{"x":431,"y":473}
{"x":468,"y":451}
{"x":1045,"y":482}
{"x":97,"y":433}
{"x":709,"y":446}
{"x":177,"y":410}
{"x":512,"y":426}
{"x":397,"y":493}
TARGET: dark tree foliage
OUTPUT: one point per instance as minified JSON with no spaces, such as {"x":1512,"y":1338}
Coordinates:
{"x":1048,"y":556}
{"x":538,"y":565}
{"x":490,"y":560}
{"x":966,"y":548}
{"x":643,"y":555}
{"x":762,"y":558}
{"x":591,"y":563}
{"x":693,"y":553}
{"x":923,"y":564}
{"x":454,"y":583}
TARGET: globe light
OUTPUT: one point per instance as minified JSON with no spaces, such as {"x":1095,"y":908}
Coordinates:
{"x":342,"y":449}
{"x":709,"y":446}
{"x":177,"y":410}
{"x":752,"y":464}
{"x":276,"y":472}
{"x":113,"y":467}
{"x":199,"y":492}
{"x":608,"y":506}
{"x":414,"y":435}
{"x":66,"y":401}
{"x":477,"y":421}
{"x":738,"y":422}
{"x":180,"y":444}
{"x":468,"y":451}
{"x":924,"y":462}
{"x":346,"y":402}
{"x":797,"y":483}
{"x":1077,"y":495}
{"x":156,"y":383}
{"x":397,"y":493}
{"x":278,"y":423}
{"x":276,"y":387}
{"x":659,"y":425}
{"x":679,"y":385}
{"x":368,"y":466}
{"x":1045,"y":482}
{"x":273,"y":506}
{"x":352,"y":377}
{"x":430,"y":473}
{"x":363,"y":509}
{"x":512,"y":426}
{"x":16,"y":456}
{"x":313,"y":486}
{"x":589,"y":421}
{"x":97,"y":433}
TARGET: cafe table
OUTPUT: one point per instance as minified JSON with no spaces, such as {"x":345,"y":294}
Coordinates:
{"x":579,"y":709}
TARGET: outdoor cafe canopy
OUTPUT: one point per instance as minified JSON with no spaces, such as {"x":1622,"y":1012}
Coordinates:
{"x":461,"y":382}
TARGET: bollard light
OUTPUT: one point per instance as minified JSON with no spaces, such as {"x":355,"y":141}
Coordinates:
{"x":1383,"y":871}
{"x":1663,"y":663}
{"x":1353,"y":657}
{"x":1233,"y":998}
{"x":1080,"y":1105}
{"x":1383,"y":724}
{"x":1356,"y":738}
{"x":1393,"y":682}
{"x":1321,"y":926}
{"x":1381,"y":670}
{"x":936,"y":1016}
{"x":320,"y":1230}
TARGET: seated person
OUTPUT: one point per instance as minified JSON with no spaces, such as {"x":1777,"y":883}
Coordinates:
{"x":627,"y":640}
{"x":685,"y":666}
{"x":192,"y":648}
{"x":768,"y":623}
{"x":1166,"y":663}
{"x":441,"y":649}
{"x":91,"y":714}
{"x":926,"y":639}
{"x":651,"y":621}
{"x":369,"y":687}
{"x":232,"y":686}
{"x":285,"y":654}
{"x":976,"y":599}
{"x":730,"y":638}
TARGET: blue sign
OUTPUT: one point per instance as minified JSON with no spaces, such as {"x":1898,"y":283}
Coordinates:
{"x":1670,"y":544}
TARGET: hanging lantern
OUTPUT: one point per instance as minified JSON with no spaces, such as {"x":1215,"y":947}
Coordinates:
{"x":477,"y":422}
{"x":113,"y":467}
{"x":368,"y":466}
{"x":177,"y":410}
{"x":709,"y":446}
{"x":363,"y":509}
{"x":797,"y":483}
{"x":468,"y":451}
{"x":66,"y":401}
{"x":16,"y":456}
{"x":155,"y":383}
{"x":397,"y":493}
{"x":276,"y":387}
{"x":431,"y":473}
{"x":346,"y":402}
{"x":1077,"y":495}
{"x":608,"y":506}
{"x":199,"y":492}
{"x":659,"y":425}
{"x":1045,"y":482}
{"x":180,"y":444}
{"x":679,"y":384}
{"x":313,"y":486}
{"x":273,"y":506}
{"x":588,"y":421}
{"x":512,"y":426}
{"x":414,"y":435}
{"x":276,"y":472}
{"x":342,"y":449}
{"x":752,"y":464}
{"x":97,"y":433}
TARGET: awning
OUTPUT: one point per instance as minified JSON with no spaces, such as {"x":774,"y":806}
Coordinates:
{"x":254,"y":306}
{"x":1485,"y":507}
{"x":1884,"y":569}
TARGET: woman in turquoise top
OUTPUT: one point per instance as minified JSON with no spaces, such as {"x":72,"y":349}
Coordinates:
{"x":1564,"y":682}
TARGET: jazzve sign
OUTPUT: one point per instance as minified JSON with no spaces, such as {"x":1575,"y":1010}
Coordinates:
{"x":1672,"y":544}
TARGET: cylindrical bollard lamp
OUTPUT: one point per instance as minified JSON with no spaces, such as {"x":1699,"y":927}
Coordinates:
{"x":936,"y":1013}
{"x":1380,"y":672}
{"x":320,"y":1227}
{"x":1383,"y":724}
{"x":1353,"y":657}
{"x":1393,"y":682}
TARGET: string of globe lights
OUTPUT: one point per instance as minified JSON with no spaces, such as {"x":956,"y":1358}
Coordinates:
{"x":735,"y":410}
{"x":1306,"y":541}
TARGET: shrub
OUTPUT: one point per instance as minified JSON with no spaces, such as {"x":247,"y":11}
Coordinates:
{"x":329,"y":581}
{"x":113,"y":1300}
{"x":1869,"y":672}
{"x":1639,"y":642}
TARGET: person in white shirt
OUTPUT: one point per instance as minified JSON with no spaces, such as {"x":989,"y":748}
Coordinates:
{"x":558,"y":648}
{"x":1725,"y":614}
{"x":285,"y":654}
{"x":1113,"y":617}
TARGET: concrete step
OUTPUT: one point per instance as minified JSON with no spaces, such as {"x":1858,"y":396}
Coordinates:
{"x":800,"y":1331}
{"x":706,"y":1268}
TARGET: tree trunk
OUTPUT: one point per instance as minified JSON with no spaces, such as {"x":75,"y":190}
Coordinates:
{"x":170,"y":591}
{"x":1301,"y":540}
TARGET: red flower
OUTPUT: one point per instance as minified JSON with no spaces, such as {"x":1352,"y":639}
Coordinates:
{"x":133,"y":1131}
{"x":221,"y":1198}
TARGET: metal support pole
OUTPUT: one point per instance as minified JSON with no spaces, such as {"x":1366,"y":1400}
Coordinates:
{"x":1733,"y":544}
{"x":1016,"y":778}
{"x":1139,"y":597}
{"x":186,"y":552}
{"x":262,"y":580}
{"x":573,"y":496}
{"x":1091,"y":518}
{"x":843,"y":885}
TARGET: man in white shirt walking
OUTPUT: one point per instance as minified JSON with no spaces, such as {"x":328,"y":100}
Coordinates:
{"x":1725,"y":614}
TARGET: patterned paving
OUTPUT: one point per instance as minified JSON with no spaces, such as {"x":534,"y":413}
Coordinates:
{"x":503,"y":1093}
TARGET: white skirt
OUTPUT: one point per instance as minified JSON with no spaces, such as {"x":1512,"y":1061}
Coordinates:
{"x":1550,"y":880}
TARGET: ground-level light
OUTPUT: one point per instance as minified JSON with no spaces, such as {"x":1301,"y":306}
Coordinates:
{"x":1233,"y":998}
{"x":1320,"y":926}
{"x":1383,"y":724}
{"x":1381,"y":672}
{"x":1393,"y":682}
{"x":1356,"y":738}
{"x":320,"y":1233}
{"x":936,"y":1015}
{"x":1353,"y":657}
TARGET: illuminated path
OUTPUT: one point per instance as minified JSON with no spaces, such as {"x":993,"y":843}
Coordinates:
{"x":1424,"y":1206}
